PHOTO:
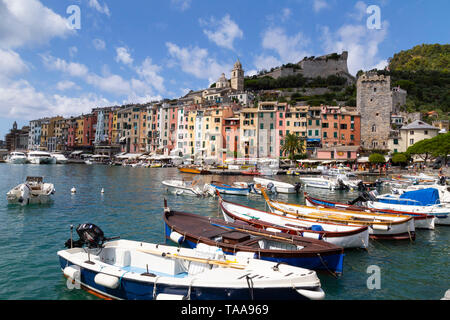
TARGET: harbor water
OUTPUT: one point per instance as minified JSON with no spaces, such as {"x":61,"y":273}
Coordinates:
{"x":131,"y":207}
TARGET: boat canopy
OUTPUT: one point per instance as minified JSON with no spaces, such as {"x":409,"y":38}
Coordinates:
{"x":423,"y":197}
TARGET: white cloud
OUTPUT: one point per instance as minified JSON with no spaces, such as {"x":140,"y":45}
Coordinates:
{"x":72,"y":68}
{"x":97,"y":6}
{"x":66,"y":85}
{"x":319,"y":5}
{"x":99,"y":44}
{"x":181,"y":5}
{"x":28,"y":22}
{"x":149,"y":72}
{"x":11,"y":63}
{"x":197,"y":61}
{"x":123,"y":56}
{"x":224,"y":33}
{"x":73,"y":51}
{"x":361,"y":43}
{"x":286,"y":14}
{"x":20,"y":100}
{"x":290,"y":49}
{"x":266,"y":62}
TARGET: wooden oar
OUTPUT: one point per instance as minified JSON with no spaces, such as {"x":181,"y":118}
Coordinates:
{"x":286,"y":239}
{"x":226,"y":264}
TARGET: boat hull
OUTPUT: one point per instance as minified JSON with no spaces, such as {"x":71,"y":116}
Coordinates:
{"x":138,"y":290}
{"x":324,"y":261}
{"x":179,"y":189}
{"x":227,"y":189}
{"x":421,"y":221}
{"x":339,"y":235}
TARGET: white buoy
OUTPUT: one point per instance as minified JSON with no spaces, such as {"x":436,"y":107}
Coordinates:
{"x":103,"y":190}
{"x":73,"y":190}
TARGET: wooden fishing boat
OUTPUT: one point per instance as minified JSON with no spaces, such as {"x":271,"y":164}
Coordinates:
{"x":381,"y":226}
{"x":226,"y":189}
{"x":251,"y":172}
{"x":193,"y":170}
{"x":191,"y":229}
{"x":134,"y":270}
{"x":421,"y":220}
{"x":346,"y":236}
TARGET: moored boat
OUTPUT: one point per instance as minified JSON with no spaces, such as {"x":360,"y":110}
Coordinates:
{"x":251,"y":172}
{"x":320,"y":182}
{"x":190,"y":229}
{"x":33,"y":191}
{"x":421,"y":220}
{"x":40,"y":157}
{"x":193,"y":170}
{"x":423,"y":201}
{"x":346,"y":236}
{"x":280,"y":187}
{"x":381,"y":226}
{"x":16,"y":157}
{"x":60,"y":158}
{"x":226,"y":189}
{"x":132,"y":270}
{"x":179,"y":187}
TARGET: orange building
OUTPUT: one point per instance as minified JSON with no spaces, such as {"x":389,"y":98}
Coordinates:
{"x":341,"y":126}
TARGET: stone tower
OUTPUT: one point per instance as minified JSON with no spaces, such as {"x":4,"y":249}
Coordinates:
{"x":237,"y":77}
{"x":374,"y":103}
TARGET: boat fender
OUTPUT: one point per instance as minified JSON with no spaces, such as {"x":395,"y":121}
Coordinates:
{"x":168,"y":296}
{"x":72,"y":272}
{"x":176,"y":237}
{"x":312,"y":295}
{"x":106,"y":280}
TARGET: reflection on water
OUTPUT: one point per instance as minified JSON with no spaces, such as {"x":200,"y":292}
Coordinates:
{"x":131,"y":207}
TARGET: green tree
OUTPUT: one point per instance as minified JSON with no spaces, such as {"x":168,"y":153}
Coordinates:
{"x":399,"y":159}
{"x":376,"y":158}
{"x":292,"y":146}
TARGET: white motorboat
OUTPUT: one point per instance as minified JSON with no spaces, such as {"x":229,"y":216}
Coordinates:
{"x":179,"y":187}
{"x":280,"y":187}
{"x":422,"y":201}
{"x":125,"y":269}
{"x":40,"y":157}
{"x":444,"y":190}
{"x":320,"y":182}
{"x":17,"y":158}
{"x":33,"y":191}
{"x":60,"y":158}
{"x":217,"y":186}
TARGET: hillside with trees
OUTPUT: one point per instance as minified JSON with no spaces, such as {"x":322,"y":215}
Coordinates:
{"x":424,"y":72}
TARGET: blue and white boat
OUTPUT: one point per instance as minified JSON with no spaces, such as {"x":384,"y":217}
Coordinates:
{"x":226,"y":189}
{"x":423,"y":201}
{"x":133,"y":270}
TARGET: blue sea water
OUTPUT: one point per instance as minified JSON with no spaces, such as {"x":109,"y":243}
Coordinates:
{"x":132,"y":207}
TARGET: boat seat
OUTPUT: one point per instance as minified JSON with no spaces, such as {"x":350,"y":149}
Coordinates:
{"x":122,"y":258}
{"x":204,"y":251}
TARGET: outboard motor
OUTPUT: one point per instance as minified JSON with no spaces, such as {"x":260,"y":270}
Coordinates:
{"x":297,"y":187}
{"x":361,"y":186}
{"x":442,"y":180}
{"x":342,"y":185}
{"x":272,"y":188}
{"x":90,"y":235}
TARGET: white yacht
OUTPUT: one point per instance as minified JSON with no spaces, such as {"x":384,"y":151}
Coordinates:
{"x":16,"y":158}
{"x":40,"y":157}
{"x":33,"y":191}
{"x":60,"y":158}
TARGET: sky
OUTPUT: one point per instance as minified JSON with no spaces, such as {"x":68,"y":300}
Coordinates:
{"x":65,"y":57}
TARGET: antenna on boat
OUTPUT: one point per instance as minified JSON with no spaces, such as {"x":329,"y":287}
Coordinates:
{"x":71,"y":236}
